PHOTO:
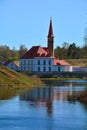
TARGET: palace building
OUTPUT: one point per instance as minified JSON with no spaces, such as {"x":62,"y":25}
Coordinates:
{"x":42,"y":59}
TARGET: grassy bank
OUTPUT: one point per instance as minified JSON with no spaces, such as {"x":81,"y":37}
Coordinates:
{"x":78,"y":62}
{"x":11,"y":78}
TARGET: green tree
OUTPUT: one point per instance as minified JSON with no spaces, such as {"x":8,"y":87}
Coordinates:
{"x":4,"y":52}
{"x":73,"y":51}
{"x":84,"y":49}
{"x":61,"y":52}
{"x":85,"y":37}
{"x":65,"y":45}
{"x":15,"y":54}
{"x":58,"y":52}
{"x":22,"y":50}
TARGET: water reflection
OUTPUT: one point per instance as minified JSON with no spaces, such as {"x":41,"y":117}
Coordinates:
{"x":38,"y":95}
{"x":6,"y":93}
{"x":44,"y":108}
{"x":65,"y":82}
{"x":49,"y":94}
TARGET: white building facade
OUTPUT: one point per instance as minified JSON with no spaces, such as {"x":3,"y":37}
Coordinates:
{"x":42,"y":65}
{"x":37,"y":65}
{"x":12,"y":65}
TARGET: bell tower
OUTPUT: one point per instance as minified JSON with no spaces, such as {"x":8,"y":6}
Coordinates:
{"x":51,"y":40}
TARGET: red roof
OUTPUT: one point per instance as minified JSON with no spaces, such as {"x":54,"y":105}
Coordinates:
{"x":6,"y":63}
{"x":36,"y":51}
{"x":50,"y":33}
{"x":61,"y":62}
{"x":46,"y":49}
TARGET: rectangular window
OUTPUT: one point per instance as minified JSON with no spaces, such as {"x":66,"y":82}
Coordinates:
{"x":32,"y":62}
{"x":49,"y":62}
{"x":49,"y":69}
{"x":44,"y":62}
{"x":38,"y":69}
{"x":58,"y":69}
{"x":44,"y":69}
{"x":38,"y":62}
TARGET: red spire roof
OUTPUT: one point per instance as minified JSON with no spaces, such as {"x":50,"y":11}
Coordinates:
{"x":50,"y":33}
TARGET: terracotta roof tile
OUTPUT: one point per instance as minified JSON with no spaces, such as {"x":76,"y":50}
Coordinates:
{"x":36,"y":51}
{"x":61,"y":62}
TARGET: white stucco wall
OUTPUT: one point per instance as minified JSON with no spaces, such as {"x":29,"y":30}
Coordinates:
{"x":68,"y":69}
{"x":42,"y":65}
{"x":11,"y":65}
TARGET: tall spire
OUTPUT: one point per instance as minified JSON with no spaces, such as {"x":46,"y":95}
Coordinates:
{"x":50,"y":42}
{"x":50,"y":33}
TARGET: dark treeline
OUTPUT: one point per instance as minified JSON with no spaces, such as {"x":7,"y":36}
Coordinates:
{"x":11,"y":54}
{"x":67,"y":51}
{"x":70,"y":51}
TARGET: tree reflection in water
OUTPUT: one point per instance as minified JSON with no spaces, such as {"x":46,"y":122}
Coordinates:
{"x":6,"y":93}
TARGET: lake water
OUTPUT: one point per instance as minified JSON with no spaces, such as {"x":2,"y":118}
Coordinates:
{"x":45,"y":108}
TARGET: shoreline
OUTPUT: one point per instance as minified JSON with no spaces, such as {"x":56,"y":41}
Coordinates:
{"x":43,"y":79}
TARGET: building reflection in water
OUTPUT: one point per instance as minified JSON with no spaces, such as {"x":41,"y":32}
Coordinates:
{"x":47,"y":95}
{"x":38,"y":95}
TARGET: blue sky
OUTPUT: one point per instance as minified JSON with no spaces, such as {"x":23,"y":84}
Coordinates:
{"x":27,"y":22}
